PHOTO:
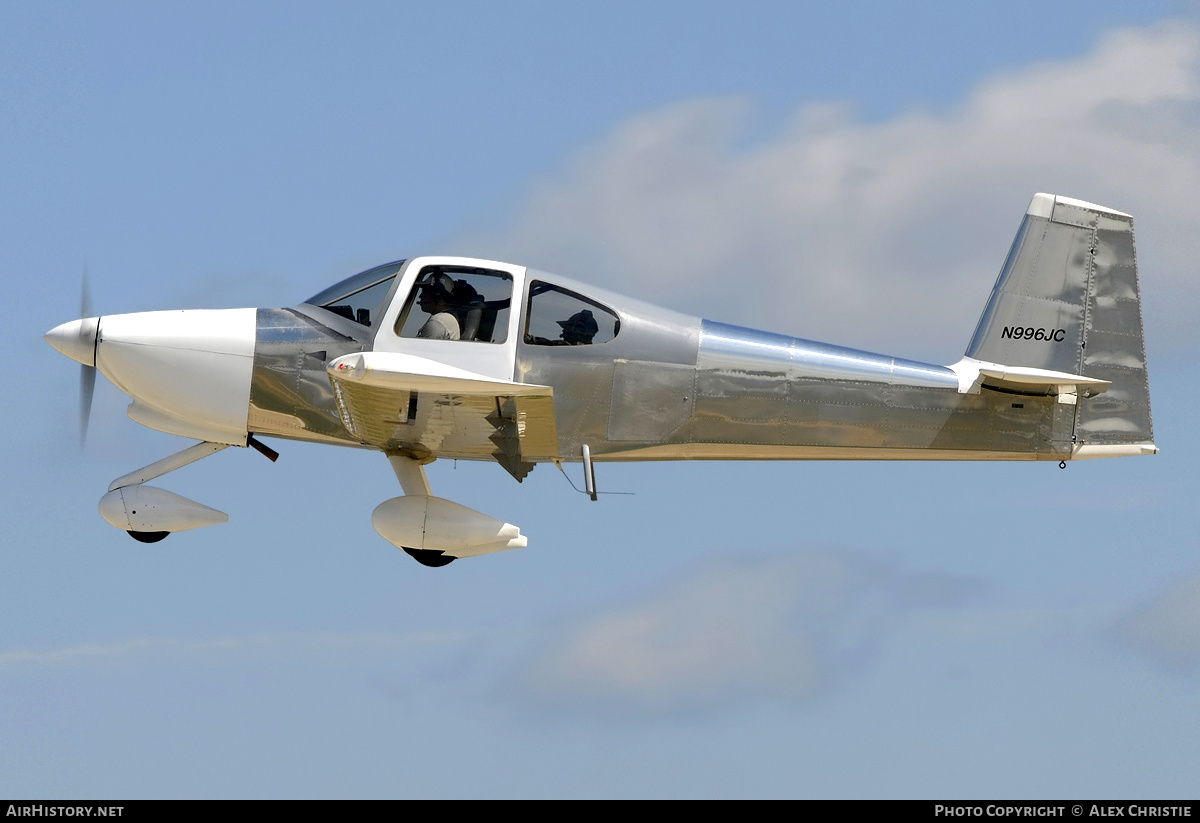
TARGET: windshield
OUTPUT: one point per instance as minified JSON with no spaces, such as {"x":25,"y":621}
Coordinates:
{"x":359,"y":298}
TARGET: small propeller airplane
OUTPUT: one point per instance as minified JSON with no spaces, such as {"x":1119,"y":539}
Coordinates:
{"x":450,"y":357}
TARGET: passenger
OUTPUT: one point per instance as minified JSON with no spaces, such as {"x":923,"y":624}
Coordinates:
{"x":437,"y":302}
{"x":579,"y":329}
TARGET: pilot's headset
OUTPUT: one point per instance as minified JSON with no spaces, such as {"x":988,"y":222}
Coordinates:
{"x":580,"y":327}
{"x":438,"y":284}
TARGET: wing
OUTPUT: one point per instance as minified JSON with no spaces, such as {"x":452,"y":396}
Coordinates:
{"x":403,"y":403}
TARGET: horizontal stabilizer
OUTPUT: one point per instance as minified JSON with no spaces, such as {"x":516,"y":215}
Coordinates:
{"x":973,"y":374}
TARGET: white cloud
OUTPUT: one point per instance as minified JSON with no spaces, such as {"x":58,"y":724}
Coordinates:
{"x":1168,"y":626}
{"x":888,"y":234}
{"x":787,"y":627}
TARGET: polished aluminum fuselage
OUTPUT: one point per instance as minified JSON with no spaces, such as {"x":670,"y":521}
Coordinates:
{"x":672,"y":386}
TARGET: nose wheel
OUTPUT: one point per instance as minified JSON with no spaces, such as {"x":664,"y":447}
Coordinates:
{"x":148,"y":537}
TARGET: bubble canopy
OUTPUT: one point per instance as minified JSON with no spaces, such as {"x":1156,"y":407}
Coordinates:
{"x":359,"y":297}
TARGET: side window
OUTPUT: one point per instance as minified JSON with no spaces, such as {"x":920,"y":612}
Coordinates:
{"x":557,"y":317}
{"x":458,"y":303}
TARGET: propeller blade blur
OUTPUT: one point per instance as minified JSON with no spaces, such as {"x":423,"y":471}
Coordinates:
{"x":87,"y":374}
{"x":87,"y":386}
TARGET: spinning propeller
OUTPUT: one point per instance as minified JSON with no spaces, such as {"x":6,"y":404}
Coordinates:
{"x":87,"y":374}
{"x":77,"y":340}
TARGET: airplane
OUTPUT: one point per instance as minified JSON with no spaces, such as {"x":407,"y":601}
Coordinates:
{"x":468,"y":359}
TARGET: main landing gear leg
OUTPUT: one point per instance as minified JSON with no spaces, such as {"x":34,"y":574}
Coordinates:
{"x":413,"y":480}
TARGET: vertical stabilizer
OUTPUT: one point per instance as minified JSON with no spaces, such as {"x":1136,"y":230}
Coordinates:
{"x":1067,"y":301}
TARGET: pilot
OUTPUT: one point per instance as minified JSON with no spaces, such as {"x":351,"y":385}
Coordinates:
{"x":579,"y":328}
{"x":437,"y":302}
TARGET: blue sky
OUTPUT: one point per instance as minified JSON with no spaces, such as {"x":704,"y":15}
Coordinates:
{"x":852,"y":174}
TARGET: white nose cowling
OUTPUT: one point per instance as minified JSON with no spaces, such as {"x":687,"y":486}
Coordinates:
{"x":76,"y":339}
{"x":188,"y":372}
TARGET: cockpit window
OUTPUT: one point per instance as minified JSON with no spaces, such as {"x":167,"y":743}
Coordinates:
{"x":359,"y":298}
{"x":557,"y":317}
{"x":458,"y":303}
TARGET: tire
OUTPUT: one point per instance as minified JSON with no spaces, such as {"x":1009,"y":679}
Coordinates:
{"x":148,"y":537}
{"x":433,"y":558}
